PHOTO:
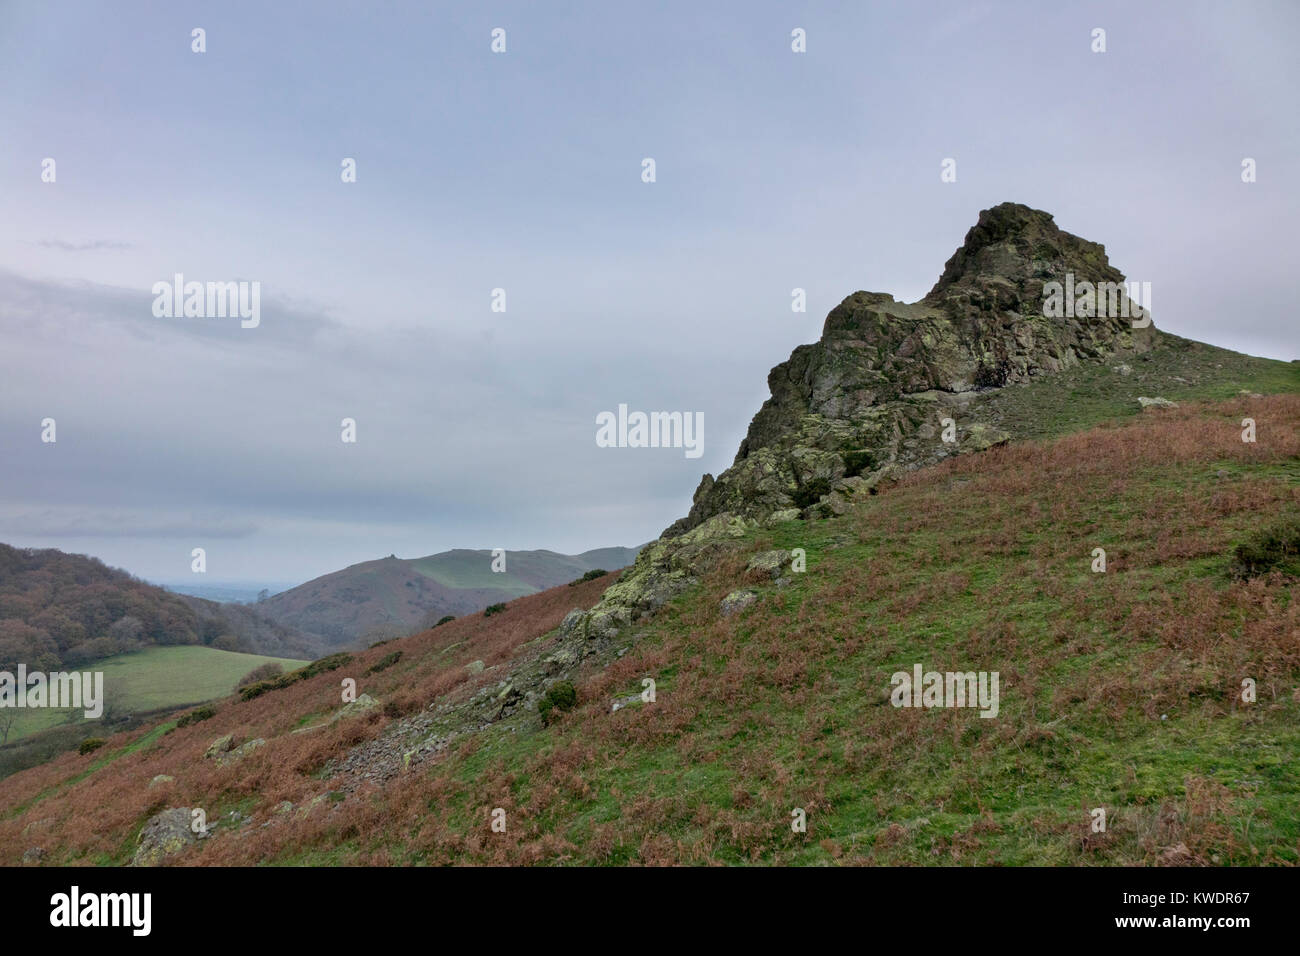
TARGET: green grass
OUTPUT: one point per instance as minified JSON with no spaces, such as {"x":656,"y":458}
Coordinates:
{"x":153,"y":679}
{"x":1171,"y":756}
{"x":1090,"y":394}
{"x":459,"y":569}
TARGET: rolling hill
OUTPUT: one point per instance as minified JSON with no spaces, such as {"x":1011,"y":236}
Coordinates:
{"x":63,"y":610}
{"x":393,"y":596}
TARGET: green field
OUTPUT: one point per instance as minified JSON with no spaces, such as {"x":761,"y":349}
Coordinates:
{"x":152,"y":679}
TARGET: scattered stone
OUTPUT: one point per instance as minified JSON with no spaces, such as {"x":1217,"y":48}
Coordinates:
{"x":1123,"y":369}
{"x":624,"y":702}
{"x":355,"y":708}
{"x":240,"y":752}
{"x":768,"y":563}
{"x":160,"y":780}
{"x":783,"y":515}
{"x":474,"y":667}
{"x":164,"y":835}
{"x":220,"y":746}
{"x":737,"y":601}
{"x":284,"y":806}
{"x":836,"y":503}
{"x":980,"y":437}
{"x":34,"y":854}
{"x":1156,"y":402}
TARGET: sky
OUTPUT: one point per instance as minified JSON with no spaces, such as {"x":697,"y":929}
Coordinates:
{"x":522,"y":171}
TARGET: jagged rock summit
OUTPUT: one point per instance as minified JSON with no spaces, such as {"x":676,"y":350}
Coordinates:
{"x":869,"y":399}
{"x":884,"y":372}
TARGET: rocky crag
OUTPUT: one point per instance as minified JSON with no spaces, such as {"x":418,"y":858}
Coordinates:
{"x":867,"y":401}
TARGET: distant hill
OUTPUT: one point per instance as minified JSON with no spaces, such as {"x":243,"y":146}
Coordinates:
{"x":225,"y":593}
{"x":63,"y":610}
{"x":393,"y":596}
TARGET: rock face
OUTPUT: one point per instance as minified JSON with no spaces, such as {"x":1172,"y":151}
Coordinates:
{"x":870,"y":399}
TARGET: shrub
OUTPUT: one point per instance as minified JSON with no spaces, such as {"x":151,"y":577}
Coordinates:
{"x":196,"y":715}
{"x":90,"y":745}
{"x":589,"y":576}
{"x":1274,"y":548}
{"x":493,"y":609}
{"x":444,"y":620}
{"x":810,"y":492}
{"x":262,"y":672}
{"x":560,"y":696}
{"x":385,"y":662}
{"x":260,"y":688}
{"x":330,"y":663}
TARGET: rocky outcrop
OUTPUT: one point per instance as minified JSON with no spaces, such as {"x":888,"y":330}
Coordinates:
{"x":164,"y":835}
{"x":889,"y":387}
{"x":869,"y":397}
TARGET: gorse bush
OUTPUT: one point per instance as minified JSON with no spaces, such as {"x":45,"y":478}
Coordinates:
{"x":263,"y":672}
{"x":196,"y":715}
{"x":589,"y":576}
{"x":1275,"y":548}
{"x":493,"y":609}
{"x":385,"y":662}
{"x":332,"y":662}
{"x":90,"y":745}
{"x":445,"y":620}
{"x":561,"y":696}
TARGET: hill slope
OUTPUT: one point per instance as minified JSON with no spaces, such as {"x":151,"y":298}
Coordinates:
{"x":1119,"y":690}
{"x":394,"y":596}
{"x":63,"y":610}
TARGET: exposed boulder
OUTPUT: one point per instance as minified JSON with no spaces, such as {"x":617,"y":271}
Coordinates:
{"x":737,"y":601}
{"x":240,"y":752}
{"x":981,"y":437}
{"x":220,"y":746}
{"x":769,"y":563}
{"x":1155,"y":402}
{"x":164,"y":835}
{"x":355,"y":708}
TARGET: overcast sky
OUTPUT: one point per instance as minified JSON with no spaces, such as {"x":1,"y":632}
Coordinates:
{"x":523,"y":171}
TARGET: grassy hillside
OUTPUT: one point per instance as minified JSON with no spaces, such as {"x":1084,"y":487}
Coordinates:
{"x":60,"y":610}
{"x":1119,"y":690}
{"x":526,"y":571}
{"x":153,"y":679}
{"x":392,"y":596}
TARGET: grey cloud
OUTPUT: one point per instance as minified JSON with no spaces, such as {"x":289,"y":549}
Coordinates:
{"x":99,"y":523}
{"x":89,"y":245}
